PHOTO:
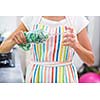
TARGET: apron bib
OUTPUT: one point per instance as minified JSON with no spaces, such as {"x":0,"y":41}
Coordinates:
{"x":50,"y":62}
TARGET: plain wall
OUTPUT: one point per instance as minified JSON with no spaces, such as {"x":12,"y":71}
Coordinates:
{"x":94,"y":28}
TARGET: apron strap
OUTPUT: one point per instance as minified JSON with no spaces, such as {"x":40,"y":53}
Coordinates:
{"x":37,"y":19}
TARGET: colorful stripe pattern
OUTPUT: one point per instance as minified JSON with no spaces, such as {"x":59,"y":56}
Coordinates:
{"x":51,"y":51}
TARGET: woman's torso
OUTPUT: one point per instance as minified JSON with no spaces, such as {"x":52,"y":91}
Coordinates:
{"x":51,"y":50}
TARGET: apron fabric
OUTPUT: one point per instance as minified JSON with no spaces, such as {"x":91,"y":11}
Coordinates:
{"x":50,"y":62}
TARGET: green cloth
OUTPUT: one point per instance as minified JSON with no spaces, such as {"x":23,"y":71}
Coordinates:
{"x":38,"y":36}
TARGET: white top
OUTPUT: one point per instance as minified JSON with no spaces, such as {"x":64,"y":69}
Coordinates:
{"x":78,"y":22}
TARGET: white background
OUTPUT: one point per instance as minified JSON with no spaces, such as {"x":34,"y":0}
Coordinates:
{"x":49,"y":91}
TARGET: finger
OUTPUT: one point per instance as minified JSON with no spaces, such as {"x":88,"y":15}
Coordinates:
{"x":17,"y":42}
{"x":69,"y":35}
{"x":72,"y":40}
{"x":69,"y":39}
{"x":69,"y":29}
{"x":19,"y":39}
{"x":65,"y":40}
{"x":23,"y":37}
{"x":66,"y":44}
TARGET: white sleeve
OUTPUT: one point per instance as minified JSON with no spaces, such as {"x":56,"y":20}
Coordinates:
{"x":79,"y":23}
{"x":27,"y":21}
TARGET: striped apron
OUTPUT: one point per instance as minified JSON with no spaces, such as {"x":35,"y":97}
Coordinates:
{"x":50,"y":62}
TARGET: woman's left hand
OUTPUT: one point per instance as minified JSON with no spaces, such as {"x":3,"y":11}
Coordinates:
{"x":70,"y":39}
{"x":80,"y":43}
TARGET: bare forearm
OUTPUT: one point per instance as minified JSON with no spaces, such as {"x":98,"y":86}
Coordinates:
{"x":6,"y":46}
{"x":84,"y":54}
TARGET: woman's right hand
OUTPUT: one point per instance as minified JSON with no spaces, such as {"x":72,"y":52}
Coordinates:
{"x":16,"y":37}
{"x":19,"y":38}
